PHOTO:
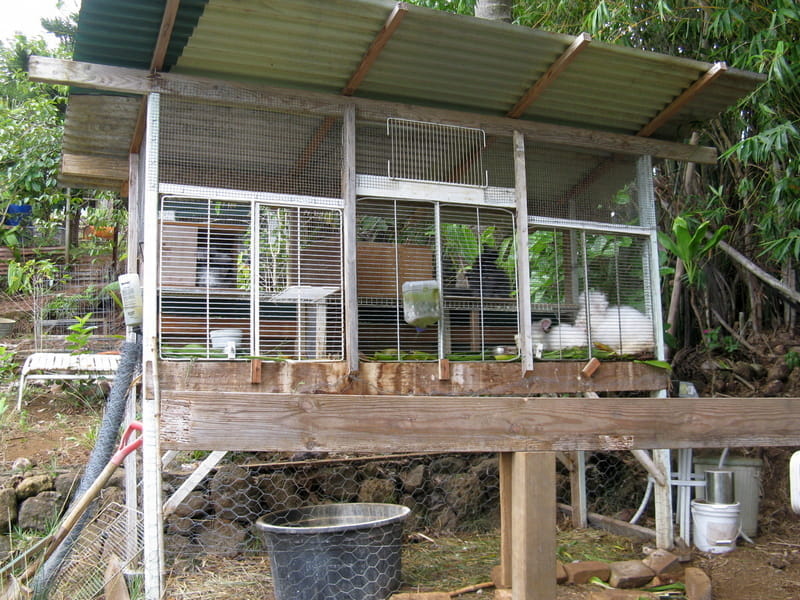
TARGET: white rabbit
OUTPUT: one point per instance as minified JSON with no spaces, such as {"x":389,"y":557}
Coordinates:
{"x":622,"y":328}
{"x":557,"y":337}
{"x":597,"y":303}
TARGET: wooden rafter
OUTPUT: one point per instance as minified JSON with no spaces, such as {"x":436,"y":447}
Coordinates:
{"x":156,"y":64}
{"x":673,"y":107}
{"x":376,"y":47}
{"x":552,"y":73}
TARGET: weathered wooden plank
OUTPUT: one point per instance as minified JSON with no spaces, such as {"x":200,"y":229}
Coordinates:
{"x":506,"y":520}
{"x":414,"y":378}
{"x":137,"y":81}
{"x":533,"y":540}
{"x":95,"y":166}
{"x":322,"y":422}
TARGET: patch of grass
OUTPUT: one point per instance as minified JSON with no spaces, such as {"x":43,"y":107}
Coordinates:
{"x":450,"y":563}
{"x":595,"y":544}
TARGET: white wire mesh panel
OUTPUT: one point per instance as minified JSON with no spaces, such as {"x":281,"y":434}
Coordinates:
{"x":249,"y":148}
{"x":299,"y":283}
{"x":479,"y":274}
{"x":581,"y":185}
{"x":469,"y":256}
{"x":204,"y":278}
{"x":433,"y":152}
{"x":209,"y":271}
{"x":109,"y":546}
{"x":590,"y":286}
{"x":396,"y":244}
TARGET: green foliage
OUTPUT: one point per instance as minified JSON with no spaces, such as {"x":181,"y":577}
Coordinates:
{"x":80,"y":333}
{"x":691,"y":246}
{"x":23,"y":277}
{"x":716,"y":341}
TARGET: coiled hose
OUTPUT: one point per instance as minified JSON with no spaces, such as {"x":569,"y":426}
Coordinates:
{"x":130,"y":362}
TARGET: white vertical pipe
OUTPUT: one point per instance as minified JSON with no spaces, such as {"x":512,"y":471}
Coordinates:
{"x":349,"y":235}
{"x":151,"y":455}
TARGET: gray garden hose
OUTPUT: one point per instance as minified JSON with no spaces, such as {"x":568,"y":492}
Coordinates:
{"x":130,"y":362}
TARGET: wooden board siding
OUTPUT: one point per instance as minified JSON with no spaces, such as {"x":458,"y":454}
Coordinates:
{"x":413,"y":378}
{"x":357,"y":423}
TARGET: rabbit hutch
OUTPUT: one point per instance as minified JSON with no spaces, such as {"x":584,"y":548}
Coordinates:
{"x":365,"y":226}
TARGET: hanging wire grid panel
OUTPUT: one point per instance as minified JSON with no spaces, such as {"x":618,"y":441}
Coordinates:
{"x":109,"y":546}
{"x":433,"y":152}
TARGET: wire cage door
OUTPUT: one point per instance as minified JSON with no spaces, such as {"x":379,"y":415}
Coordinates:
{"x":465,"y":252}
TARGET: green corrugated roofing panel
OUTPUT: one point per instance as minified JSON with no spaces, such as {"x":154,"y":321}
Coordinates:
{"x":434,"y":58}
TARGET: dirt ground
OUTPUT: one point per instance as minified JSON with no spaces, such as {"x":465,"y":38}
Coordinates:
{"x":57,"y":430}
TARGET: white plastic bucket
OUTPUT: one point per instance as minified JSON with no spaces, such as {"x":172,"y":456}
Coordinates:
{"x":716,"y":526}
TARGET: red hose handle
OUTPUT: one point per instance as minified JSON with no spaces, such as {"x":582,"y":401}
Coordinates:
{"x":126,"y":445}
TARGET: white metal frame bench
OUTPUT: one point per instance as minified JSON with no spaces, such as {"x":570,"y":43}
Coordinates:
{"x":59,"y":365}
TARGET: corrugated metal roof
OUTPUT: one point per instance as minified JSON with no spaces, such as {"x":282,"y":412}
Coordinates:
{"x":432,"y":59}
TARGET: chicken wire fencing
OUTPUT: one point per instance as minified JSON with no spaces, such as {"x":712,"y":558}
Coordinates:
{"x":352,"y":527}
{"x":58,"y":297}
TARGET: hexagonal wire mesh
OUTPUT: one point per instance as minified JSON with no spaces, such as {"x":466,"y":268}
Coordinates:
{"x":322,"y":532}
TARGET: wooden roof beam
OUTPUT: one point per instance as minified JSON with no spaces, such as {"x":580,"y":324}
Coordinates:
{"x":139,"y":81}
{"x":688,"y":94}
{"x":156,"y":64}
{"x":114,"y":169}
{"x":376,"y":47}
{"x":546,"y":80}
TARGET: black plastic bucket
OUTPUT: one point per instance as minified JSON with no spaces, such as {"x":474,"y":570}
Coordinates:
{"x":335,"y":551}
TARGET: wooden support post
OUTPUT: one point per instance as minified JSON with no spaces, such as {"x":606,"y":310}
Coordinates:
{"x":577,"y":489}
{"x":506,"y":527}
{"x":533,"y":513}
{"x":663,"y":501}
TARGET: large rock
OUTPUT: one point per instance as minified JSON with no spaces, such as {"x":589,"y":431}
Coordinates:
{"x":221,"y":537}
{"x":280,"y":491}
{"x":461,"y":494}
{"x":8,"y":509}
{"x":698,"y":584}
{"x":35,"y":484}
{"x":5,"y":548}
{"x":582,"y":571}
{"x":194,"y":506}
{"x":663,"y":562}
{"x":233,"y":495}
{"x":628,"y":574}
{"x":377,"y":490}
{"x":66,"y":483}
{"x":414,"y":479}
{"x":339,"y":483}
{"x":40,"y":512}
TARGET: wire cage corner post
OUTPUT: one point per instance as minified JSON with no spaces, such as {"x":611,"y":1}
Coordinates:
{"x":153,"y":544}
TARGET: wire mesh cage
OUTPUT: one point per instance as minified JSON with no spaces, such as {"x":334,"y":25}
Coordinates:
{"x":249,"y":148}
{"x":590,"y":289}
{"x":463,"y":253}
{"x":216,"y":290}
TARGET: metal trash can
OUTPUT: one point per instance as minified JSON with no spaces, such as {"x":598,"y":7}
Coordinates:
{"x":335,"y":551}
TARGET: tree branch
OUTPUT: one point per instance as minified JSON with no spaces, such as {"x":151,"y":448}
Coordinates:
{"x":754,"y":269}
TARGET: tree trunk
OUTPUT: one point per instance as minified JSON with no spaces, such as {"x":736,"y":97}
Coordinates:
{"x":494,"y":10}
